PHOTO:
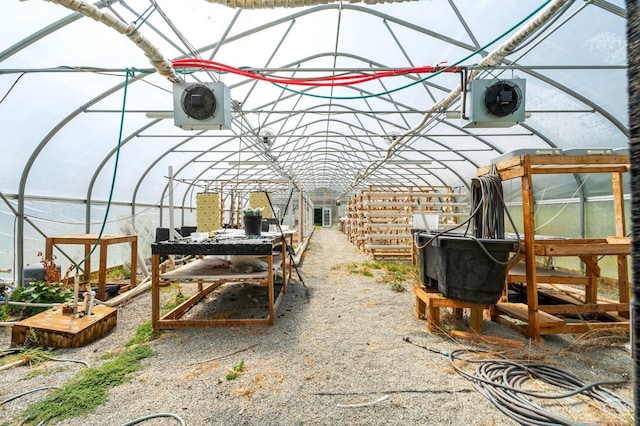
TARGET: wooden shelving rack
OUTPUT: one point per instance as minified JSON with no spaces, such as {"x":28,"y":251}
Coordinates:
{"x":533,"y":319}
{"x":380,"y":219}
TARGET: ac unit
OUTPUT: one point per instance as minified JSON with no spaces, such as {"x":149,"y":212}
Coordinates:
{"x":201,"y":106}
{"x":496,"y":103}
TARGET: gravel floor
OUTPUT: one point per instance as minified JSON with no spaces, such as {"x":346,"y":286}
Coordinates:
{"x":340,"y":346}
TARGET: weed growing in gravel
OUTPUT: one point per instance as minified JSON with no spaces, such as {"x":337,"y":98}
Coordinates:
{"x":88,"y":389}
{"x":33,"y":357}
{"x":176,"y":300}
{"x":396,"y":274}
{"x":236,"y":370}
{"x":35,"y":372}
{"x":144,"y":333}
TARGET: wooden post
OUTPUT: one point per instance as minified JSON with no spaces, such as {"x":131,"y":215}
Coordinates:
{"x":102,"y":273}
{"x":155,"y":291}
{"x":533,"y":327}
{"x":272,"y":309}
{"x":618,"y":211}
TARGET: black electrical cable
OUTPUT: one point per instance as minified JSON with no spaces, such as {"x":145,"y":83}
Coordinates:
{"x":290,"y":251}
{"x":490,"y":191}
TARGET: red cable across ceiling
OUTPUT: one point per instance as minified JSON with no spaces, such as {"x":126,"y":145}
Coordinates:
{"x":329,"y":81}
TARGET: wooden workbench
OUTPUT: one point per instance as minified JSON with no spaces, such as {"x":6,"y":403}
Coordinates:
{"x":210,"y":274}
{"x":88,"y":240}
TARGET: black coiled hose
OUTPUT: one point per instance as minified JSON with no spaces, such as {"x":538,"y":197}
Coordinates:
{"x":501,"y":381}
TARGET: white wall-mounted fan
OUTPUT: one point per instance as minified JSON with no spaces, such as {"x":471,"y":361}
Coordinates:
{"x":496,"y":103}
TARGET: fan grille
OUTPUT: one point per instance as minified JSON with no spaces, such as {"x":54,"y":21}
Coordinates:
{"x":502,"y":98}
{"x":198,"y":101}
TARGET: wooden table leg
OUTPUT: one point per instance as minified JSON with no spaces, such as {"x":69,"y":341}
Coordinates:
{"x":134,"y":261}
{"x":102,"y":273}
{"x":155,"y":291}
{"x":272,"y":310}
{"x":475,"y":319}
{"x":87,"y":263}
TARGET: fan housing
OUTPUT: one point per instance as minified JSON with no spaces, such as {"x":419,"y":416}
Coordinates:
{"x":496,"y":103}
{"x":201,"y":106}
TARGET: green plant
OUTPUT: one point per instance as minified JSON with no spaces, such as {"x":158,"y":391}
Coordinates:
{"x":236,"y":370}
{"x":40,"y":292}
{"x":254,"y":212}
{"x":144,"y":333}
{"x":176,"y":300}
{"x":397,"y":274}
{"x":87,"y":390}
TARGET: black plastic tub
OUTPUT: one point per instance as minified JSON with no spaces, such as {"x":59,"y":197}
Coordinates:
{"x":461,"y":270}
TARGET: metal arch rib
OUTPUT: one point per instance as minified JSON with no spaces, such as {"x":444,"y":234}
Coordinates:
{"x":49,"y":29}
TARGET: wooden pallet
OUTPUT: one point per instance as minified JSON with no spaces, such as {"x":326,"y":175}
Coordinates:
{"x":54,"y":329}
{"x":431,"y":301}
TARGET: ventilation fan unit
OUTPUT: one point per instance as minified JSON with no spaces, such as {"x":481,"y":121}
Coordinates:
{"x":496,"y":103}
{"x":201,"y":106}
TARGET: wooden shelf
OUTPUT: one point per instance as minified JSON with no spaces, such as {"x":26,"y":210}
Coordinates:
{"x":533,"y":319}
{"x":213,"y":268}
{"x":380,"y":219}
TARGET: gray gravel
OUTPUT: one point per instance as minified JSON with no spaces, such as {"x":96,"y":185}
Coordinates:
{"x":341,"y":345}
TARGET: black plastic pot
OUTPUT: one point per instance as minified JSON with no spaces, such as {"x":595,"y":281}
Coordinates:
{"x":252,"y":225}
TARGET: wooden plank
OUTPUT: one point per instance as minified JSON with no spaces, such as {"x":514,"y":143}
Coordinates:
{"x":439,"y":301}
{"x":578,"y":169}
{"x":487,"y":339}
{"x":532,"y":316}
{"x":179,"y":310}
{"x":584,"y":327}
{"x":570,"y":160}
{"x":521,"y":312}
{"x":511,"y":174}
{"x":54,"y":329}
{"x":585,"y":248}
{"x":388,"y":247}
{"x":509,"y":163}
{"x":508,"y":322}
{"x":388,"y":236}
{"x":590,"y":308}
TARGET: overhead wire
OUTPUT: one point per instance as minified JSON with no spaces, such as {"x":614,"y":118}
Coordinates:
{"x":115,"y":172}
{"x":321,"y":81}
{"x":12,"y":86}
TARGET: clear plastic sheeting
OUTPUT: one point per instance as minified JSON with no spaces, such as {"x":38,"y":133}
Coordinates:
{"x":351,"y":94}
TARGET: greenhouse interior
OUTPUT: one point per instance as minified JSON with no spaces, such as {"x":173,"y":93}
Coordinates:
{"x":482,"y":141}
